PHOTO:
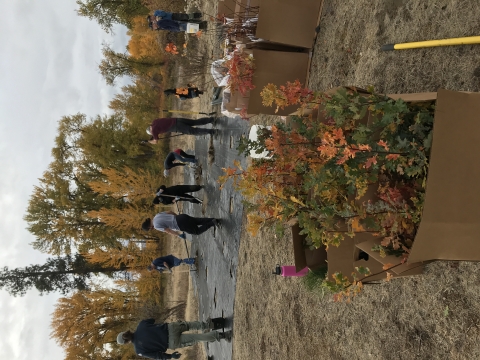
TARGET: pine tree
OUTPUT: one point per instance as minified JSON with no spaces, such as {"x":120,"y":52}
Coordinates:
{"x":58,"y":207}
{"x":62,"y":274}
{"x":116,"y":65}
{"x":108,"y":12}
{"x":130,"y":255}
{"x":127,"y":184}
{"x":83,"y":323}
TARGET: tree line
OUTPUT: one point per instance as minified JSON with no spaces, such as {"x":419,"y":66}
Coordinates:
{"x":88,"y":205}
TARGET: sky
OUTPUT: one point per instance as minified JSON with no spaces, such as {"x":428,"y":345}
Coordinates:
{"x":49,"y":68}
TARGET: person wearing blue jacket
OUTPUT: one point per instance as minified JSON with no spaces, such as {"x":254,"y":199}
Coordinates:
{"x":152,"y":340}
{"x":168,"y":262}
{"x":160,"y":14}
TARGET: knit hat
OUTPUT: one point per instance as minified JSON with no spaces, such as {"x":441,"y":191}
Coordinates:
{"x":120,"y":339}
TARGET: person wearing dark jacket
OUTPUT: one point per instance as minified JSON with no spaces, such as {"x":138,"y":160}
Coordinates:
{"x":189,"y":92}
{"x":152,"y":340}
{"x":172,"y":194}
{"x":160,"y":14}
{"x":168,"y":262}
{"x":179,"y":125}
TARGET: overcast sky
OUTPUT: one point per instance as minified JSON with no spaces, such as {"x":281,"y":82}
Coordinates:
{"x":49,"y":68}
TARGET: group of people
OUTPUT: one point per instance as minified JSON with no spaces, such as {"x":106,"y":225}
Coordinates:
{"x":168,"y":221}
{"x":152,"y":340}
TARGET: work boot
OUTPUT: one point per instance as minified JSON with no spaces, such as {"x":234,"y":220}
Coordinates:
{"x":227,"y":335}
{"x":216,"y":323}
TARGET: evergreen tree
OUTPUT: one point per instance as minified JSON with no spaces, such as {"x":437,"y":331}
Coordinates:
{"x":58,"y":209}
{"x":85,"y":322}
{"x":62,"y":274}
{"x":139,"y":102}
{"x":116,"y":65}
{"x":109,"y":12}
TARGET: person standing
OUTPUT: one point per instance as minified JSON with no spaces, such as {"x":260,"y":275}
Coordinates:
{"x":178,"y":225}
{"x":179,"y":155}
{"x":192,"y":17}
{"x":189,"y":92}
{"x":179,"y":125}
{"x":172,"y":194}
{"x":152,"y":340}
{"x":172,"y":25}
{"x":168,"y":262}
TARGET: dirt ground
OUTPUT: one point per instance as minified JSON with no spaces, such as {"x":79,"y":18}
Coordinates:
{"x":347,"y":49}
{"x":434,"y":316}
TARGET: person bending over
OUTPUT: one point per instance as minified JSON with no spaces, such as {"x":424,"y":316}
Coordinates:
{"x":177,"y":155}
{"x":179,"y":125}
{"x":178,"y":225}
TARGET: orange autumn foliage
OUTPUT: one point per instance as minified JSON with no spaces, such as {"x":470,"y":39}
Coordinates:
{"x":143,"y":41}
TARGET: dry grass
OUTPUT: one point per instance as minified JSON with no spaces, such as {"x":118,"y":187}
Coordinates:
{"x":347,"y":50}
{"x":434,"y":316}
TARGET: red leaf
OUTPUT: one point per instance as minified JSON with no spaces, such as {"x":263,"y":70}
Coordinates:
{"x":370,"y":162}
{"x":383,"y":144}
{"x":392,"y":156}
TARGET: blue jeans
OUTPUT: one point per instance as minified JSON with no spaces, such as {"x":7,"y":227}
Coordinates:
{"x":188,"y":261}
{"x":184,"y":159}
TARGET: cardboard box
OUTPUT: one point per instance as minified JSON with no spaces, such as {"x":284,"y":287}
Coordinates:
{"x":449,"y":229}
{"x":226,"y":7}
{"x":352,"y":253}
{"x":236,"y":102}
{"x":346,"y":257}
{"x":286,"y":22}
{"x":289,"y":22}
{"x":450,"y":226}
{"x":275,"y":67}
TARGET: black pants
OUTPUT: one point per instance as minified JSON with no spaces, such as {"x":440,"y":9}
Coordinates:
{"x":185,"y":155}
{"x":180,"y":17}
{"x":178,"y":190}
{"x":186,"y":126}
{"x":181,"y":190}
{"x":193,"y":225}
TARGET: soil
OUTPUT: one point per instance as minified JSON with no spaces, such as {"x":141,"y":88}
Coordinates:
{"x":433,"y":316}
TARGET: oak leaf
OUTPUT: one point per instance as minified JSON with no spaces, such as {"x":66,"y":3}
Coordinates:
{"x":370,"y":162}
